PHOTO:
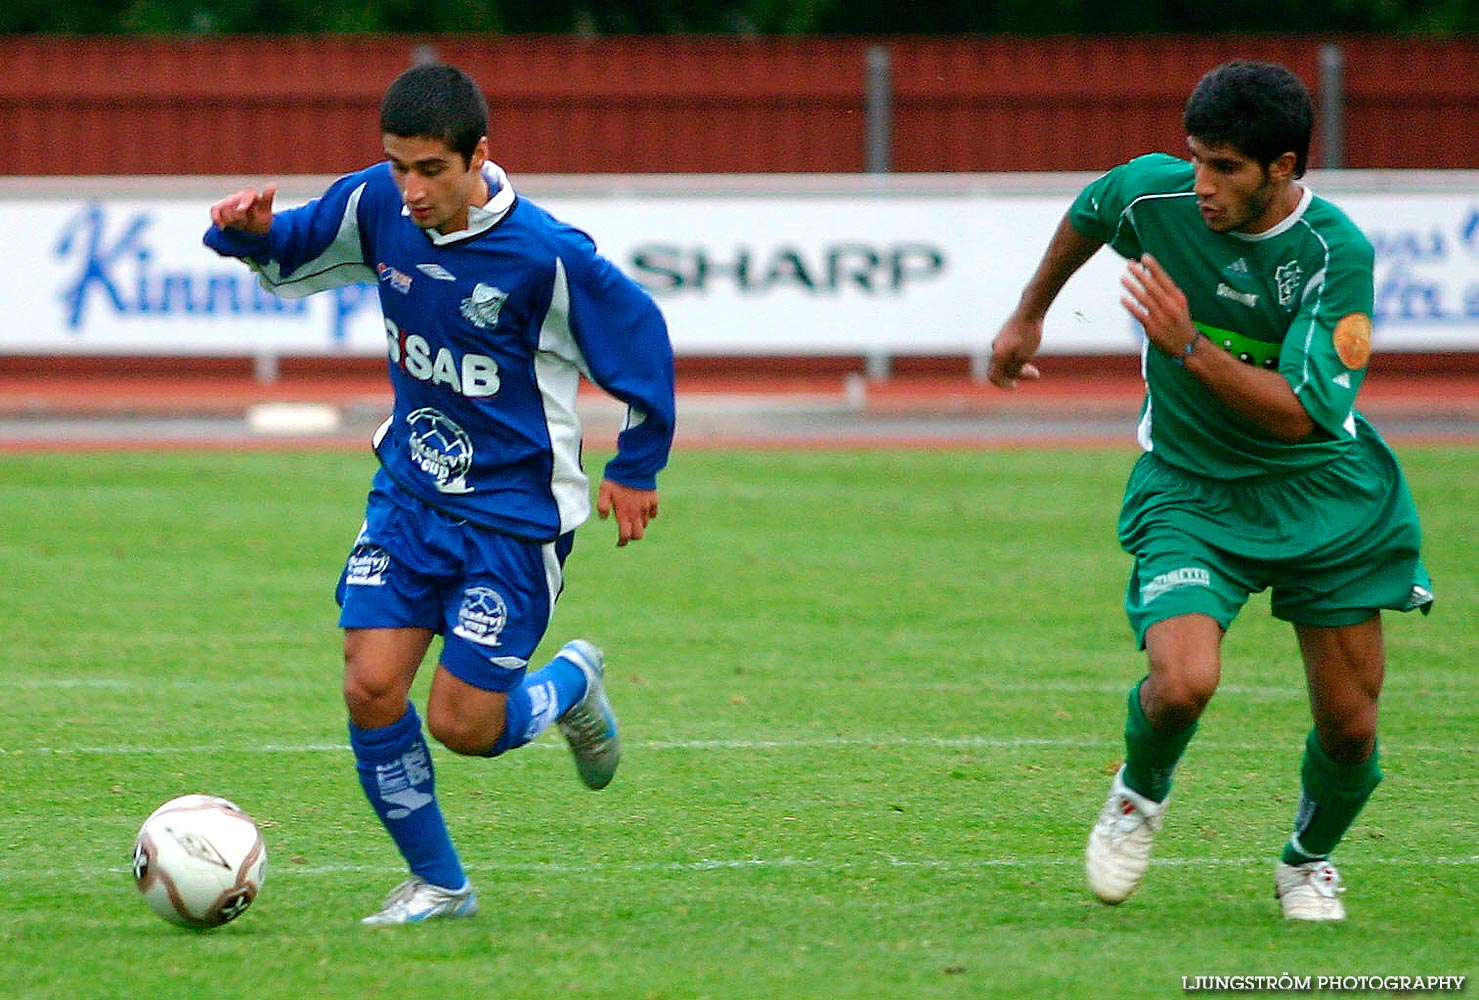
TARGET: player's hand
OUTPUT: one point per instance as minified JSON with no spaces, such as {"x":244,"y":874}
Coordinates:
{"x":634,"y":509}
{"x":1158,"y":304}
{"x":1012,"y":352}
{"x":247,"y":209}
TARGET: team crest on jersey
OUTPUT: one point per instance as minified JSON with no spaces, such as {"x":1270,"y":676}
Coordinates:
{"x":1287,"y":279}
{"x":399,"y":280}
{"x":482,"y":307}
{"x":441,"y":449}
{"x":482,"y":616}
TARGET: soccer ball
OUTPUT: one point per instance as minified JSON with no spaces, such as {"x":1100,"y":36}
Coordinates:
{"x":199,"y":860}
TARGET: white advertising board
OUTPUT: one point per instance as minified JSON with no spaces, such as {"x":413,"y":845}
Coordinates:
{"x":758,"y":265}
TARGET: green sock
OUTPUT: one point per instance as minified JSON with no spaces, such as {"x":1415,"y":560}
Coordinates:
{"x":1151,"y":755}
{"x":1331,"y":796}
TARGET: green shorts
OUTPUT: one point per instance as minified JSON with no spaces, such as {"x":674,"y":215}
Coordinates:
{"x":1334,"y":545}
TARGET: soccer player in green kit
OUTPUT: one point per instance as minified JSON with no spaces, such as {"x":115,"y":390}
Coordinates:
{"x":1257,"y":472}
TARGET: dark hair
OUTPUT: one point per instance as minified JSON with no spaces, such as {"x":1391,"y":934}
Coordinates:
{"x":436,"y":101}
{"x":1261,"y":109}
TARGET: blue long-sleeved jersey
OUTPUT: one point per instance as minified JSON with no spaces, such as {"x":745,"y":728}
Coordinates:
{"x":488,"y":331}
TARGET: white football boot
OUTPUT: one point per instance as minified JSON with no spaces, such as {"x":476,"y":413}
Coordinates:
{"x":416,"y":899}
{"x":589,"y":725}
{"x":1310,"y":891}
{"x":1118,"y":854}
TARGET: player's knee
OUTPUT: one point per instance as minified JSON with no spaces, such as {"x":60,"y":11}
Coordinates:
{"x":1349,"y":739}
{"x":370,"y":704}
{"x":467,"y":737}
{"x":1176,"y":699}
{"x":1184,"y":670}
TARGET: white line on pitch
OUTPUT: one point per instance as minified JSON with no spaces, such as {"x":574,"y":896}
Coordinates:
{"x":821,"y":742}
{"x":288,"y":870}
{"x":736,"y":745}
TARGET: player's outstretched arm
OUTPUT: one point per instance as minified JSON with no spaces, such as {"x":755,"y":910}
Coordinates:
{"x":634,"y":509}
{"x":247,"y":209}
{"x":1021,"y":335}
{"x":1012,"y":351}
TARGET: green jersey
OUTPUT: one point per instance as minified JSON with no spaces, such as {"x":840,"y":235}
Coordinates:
{"x":1296,"y":299}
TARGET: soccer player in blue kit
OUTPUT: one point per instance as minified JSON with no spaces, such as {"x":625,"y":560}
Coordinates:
{"x":493,"y":311}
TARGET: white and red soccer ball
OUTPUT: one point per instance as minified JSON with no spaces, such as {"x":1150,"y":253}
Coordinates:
{"x":199,"y":860}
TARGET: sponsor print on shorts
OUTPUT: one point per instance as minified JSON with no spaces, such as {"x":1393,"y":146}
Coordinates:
{"x":366,"y":566}
{"x":1189,"y":576}
{"x":482,"y":616}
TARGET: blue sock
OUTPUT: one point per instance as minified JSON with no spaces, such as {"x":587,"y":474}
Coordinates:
{"x":540,"y":699}
{"x":395,"y":771}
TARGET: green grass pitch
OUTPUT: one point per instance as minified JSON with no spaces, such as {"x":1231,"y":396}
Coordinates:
{"x":871,"y":703}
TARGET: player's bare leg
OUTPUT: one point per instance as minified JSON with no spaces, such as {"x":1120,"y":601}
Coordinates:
{"x":1344,"y":668}
{"x":1162,"y":712}
{"x":396,"y":773}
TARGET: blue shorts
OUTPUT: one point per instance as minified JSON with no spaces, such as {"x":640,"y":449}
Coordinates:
{"x":489,"y":594}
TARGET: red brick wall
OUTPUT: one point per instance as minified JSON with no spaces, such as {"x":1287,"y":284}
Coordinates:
{"x":264,"y":105}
